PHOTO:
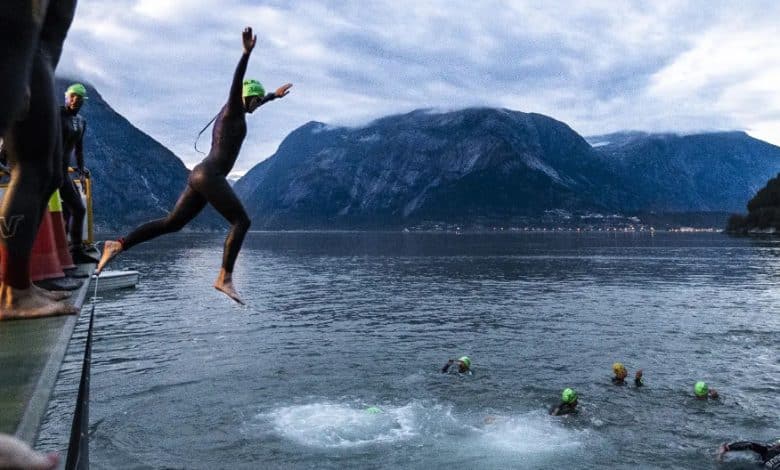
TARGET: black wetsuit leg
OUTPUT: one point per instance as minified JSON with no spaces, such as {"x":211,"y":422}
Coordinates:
{"x":75,"y":208}
{"x":20,"y":26}
{"x":33,"y":143}
{"x":190,"y":203}
{"x":217,"y":191}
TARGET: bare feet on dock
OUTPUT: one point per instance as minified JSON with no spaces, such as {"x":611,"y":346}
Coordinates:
{"x":224,"y":283}
{"x":110,"y":249}
{"x":52,"y":294}
{"x":19,"y":304}
{"x":15,"y":453}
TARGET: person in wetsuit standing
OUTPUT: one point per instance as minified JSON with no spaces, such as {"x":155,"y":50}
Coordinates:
{"x":207,"y":182}
{"x":32,"y":34}
{"x":73,"y":128}
{"x":769,"y":453}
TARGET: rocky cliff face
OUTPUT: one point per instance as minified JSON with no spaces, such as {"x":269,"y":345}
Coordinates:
{"x":487,"y":165}
{"x":679,"y":173}
{"x":135,"y":178}
{"x":459,"y":166}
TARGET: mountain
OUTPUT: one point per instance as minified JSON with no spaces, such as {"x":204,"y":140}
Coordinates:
{"x":135,"y":178}
{"x":482,"y":166}
{"x":705,"y":172}
{"x":474,"y":165}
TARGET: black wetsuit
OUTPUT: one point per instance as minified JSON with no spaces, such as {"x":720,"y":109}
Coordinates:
{"x":564,"y":409}
{"x":208,"y":183}
{"x":769,"y":453}
{"x":31,"y":38}
{"x":73,"y":128}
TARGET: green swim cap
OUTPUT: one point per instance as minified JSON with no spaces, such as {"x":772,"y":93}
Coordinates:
{"x":568,"y":395}
{"x":373,"y":410}
{"x":253,"y":88}
{"x":466,"y":360}
{"x":701,"y":389}
{"x":77,"y":89}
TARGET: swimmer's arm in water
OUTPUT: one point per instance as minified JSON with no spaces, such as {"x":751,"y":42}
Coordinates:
{"x":744,"y":445}
{"x":236,"y":99}
{"x":447,"y":366}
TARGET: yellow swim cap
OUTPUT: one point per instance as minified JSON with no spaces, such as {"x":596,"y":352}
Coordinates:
{"x":618,"y":367}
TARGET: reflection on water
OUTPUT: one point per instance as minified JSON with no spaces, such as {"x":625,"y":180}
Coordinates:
{"x":338,"y":322}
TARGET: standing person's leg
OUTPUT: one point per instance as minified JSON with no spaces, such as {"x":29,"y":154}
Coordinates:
{"x":190,"y":203}
{"x":71,"y":200}
{"x":31,"y":144}
{"x":20,"y":25}
{"x":220,"y":195}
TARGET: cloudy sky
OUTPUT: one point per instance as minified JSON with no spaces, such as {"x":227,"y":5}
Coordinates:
{"x":600,"y":66}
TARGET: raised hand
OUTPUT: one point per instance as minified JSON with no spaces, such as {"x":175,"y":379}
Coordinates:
{"x":283,"y":90}
{"x":248,"y":39}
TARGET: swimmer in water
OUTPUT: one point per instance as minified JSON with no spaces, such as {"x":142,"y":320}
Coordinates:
{"x":463,"y":363}
{"x":769,"y":453}
{"x":702,"y":391}
{"x":207,"y":183}
{"x":620,"y":373}
{"x":638,"y":379}
{"x":568,"y":403}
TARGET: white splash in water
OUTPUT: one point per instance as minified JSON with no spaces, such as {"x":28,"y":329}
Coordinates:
{"x":330,"y":425}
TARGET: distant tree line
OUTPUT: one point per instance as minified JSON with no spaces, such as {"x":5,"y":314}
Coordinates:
{"x":763,"y":210}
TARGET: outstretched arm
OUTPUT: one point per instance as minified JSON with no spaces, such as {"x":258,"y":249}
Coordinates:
{"x":280,"y":92}
{"x":447,"y":365}
{"x":235,"y":100}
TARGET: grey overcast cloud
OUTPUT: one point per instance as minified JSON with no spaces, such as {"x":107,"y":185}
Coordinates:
{"x":599,"y":66}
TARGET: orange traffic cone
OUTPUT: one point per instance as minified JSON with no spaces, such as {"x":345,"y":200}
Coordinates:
{"x":58,"y":227}
{"x":44,"y":261}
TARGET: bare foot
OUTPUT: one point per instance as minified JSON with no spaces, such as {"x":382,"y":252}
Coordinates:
{"x":18,"y":304}
{"x":224,"y":283}
{"x":52,"y":294}
{"x":15,"y":453}
{"x":110,"y":249}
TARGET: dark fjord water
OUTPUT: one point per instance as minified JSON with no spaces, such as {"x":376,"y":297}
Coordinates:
{"x":337,"y":322}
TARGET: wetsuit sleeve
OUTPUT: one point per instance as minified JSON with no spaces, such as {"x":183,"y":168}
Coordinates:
{"x":235,"y":100}
{"x":759,"y":449}
{"x":447,"y":366}
{"x":79,"y":149}
{"x":269,"y":97}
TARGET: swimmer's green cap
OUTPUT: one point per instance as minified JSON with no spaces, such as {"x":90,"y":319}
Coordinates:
{"x":700,"y":389}
{"x":373,"y":410}
{"x":253,"y":88}
{"x":466,"y":360}
{"x":568,"y":395}
{"x":77,"y":89}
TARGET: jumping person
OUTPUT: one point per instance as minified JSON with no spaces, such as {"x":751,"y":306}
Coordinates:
{"x":31,"y":38}
{"x":73,"y":128}
{"x":207,"y":182}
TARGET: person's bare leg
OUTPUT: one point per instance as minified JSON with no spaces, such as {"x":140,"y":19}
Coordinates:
{"x":18,"y":304}
{"x":51,"y":294}
{"x":224,"y":283}
{"x":111,"y":248}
